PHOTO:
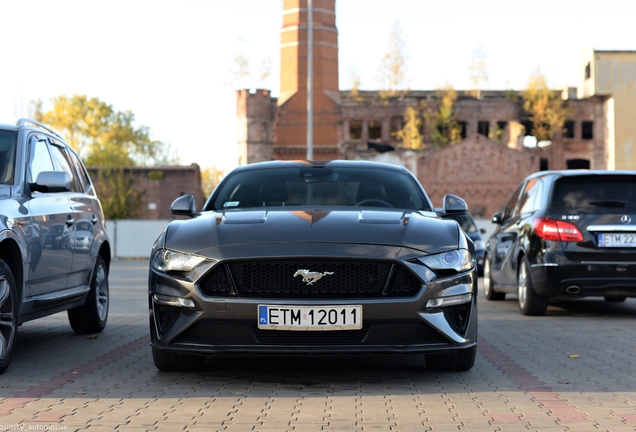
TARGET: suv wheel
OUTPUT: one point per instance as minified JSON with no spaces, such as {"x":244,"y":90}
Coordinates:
{"x":91,"y":317}
{"x":489,"y":291}
{"x":8,"y":315}
{"x":530,"y":303}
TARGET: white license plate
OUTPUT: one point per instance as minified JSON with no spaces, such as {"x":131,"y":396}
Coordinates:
{"x":617,"y":240}
{"x":274,"y":317}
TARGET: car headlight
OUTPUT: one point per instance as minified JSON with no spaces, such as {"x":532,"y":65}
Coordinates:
{"x":166,"y":260}
{"x":458,"y":260}
{"x":480,"y":244}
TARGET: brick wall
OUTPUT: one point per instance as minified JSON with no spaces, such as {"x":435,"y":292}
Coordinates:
{"x":482,"y":172}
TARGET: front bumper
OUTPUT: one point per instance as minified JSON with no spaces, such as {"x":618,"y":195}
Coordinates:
{"x":390,"y":325}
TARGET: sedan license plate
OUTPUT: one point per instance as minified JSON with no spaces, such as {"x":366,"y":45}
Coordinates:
{"x":273,"y":317}
{"x":617,"y":240}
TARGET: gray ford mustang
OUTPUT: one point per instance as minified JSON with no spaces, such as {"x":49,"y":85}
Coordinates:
{"x":340,"y":257}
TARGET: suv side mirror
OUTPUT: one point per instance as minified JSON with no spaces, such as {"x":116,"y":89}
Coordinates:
{"x":496,"y":218}
{"x":51,"y":181}
{"x":184,"y":206}
{"x":454,"y":204}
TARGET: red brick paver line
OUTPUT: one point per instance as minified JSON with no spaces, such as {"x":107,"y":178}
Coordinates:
{"x":47,"y":387}
{"x":551,"y":402}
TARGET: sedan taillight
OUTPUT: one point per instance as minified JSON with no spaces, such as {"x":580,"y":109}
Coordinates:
{"x":552,"y":229}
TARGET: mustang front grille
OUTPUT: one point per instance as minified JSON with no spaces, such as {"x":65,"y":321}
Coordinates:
{"x":310,"y":278}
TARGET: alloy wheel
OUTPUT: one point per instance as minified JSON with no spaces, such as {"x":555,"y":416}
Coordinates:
{"x":101,"y":292}
{"x":7,"y":318}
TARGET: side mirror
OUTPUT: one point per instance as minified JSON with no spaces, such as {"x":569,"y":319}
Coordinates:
{"x":496,"y":218}
{"x":454,"y":204}
{"x":51,"y":181}
{"x":184,"y":206}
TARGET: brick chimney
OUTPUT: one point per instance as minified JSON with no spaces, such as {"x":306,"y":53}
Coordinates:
{"x":291,"y":119}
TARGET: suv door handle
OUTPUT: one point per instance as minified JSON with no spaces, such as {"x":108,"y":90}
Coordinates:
{"x":69,"y":221}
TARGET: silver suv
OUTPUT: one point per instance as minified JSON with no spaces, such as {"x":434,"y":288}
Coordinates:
{"x":47,"y":203}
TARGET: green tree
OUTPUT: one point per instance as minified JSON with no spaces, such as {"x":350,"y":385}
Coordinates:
{"x":103,"y":136}
{"x":119,"y":198}
{"x":545,"y":107}
{"x":108,"y":140}
{"x":410,"y":136}
{"x":443,"y":123}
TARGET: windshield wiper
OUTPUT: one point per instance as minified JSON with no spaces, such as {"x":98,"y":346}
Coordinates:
{"x":609,"y":203}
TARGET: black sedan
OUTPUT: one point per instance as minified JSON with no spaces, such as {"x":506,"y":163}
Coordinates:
{"x":565,"y":234}
{"x":339,"y":257}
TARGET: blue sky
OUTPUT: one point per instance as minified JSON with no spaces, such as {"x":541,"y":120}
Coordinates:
{"x":169,"y":61}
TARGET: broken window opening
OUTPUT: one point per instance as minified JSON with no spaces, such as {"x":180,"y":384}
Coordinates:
{"x":375,"y":130}
{"x":528,"y":127}
{"x":483,"y":127}
{"x":355,"y":129}
{"x":588,"y":71}
{"x":578,"y":164}
{"x":462,"y":132}
{"x":396,"y":125}
{"x":568,"y":129}
{"x":587,"y":130}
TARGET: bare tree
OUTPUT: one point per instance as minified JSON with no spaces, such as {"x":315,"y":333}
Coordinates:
{"x":478,"y":73}
{"x":391,"y":75}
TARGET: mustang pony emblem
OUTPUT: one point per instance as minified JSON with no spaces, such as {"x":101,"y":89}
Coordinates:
{"x":310,"y":277}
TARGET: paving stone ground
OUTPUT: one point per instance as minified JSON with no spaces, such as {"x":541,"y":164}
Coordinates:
{"x":571,"y":370}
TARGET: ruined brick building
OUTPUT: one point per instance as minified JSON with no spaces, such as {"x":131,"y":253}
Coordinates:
{"x":483,"y":168}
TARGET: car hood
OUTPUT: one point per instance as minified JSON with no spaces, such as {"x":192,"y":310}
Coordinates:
{"x":374,"y":227}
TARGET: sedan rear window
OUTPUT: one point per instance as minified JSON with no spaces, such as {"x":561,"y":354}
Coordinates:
{"x":595,"y":192}
{"x":318,"y":186}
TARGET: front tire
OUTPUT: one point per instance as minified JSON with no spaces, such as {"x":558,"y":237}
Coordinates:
{"x":489,"y":291}
{"x":530,"y":303}
{"x":91,"y":317}
{"x":8,"y":315}
{"x":167,"y":361}
{"x":454,"y":361}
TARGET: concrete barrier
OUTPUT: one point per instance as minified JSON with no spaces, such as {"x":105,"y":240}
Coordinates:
{"x":133,"y":238}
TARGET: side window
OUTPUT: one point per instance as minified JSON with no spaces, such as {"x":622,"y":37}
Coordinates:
{"x":63,"y":164}
{"x":82,"y":175}
{"x":528,"y":200}
{"x":40,"y":160}
{"x":510,"y":210}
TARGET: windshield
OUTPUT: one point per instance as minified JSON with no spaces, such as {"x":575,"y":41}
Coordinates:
{"x":8,"y":141}
{"x":318,"y":186}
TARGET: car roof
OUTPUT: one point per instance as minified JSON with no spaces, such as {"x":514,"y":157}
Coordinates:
{"x":329,"y":164}
{"x":579,"y":172}
{"x":32,"y":125}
